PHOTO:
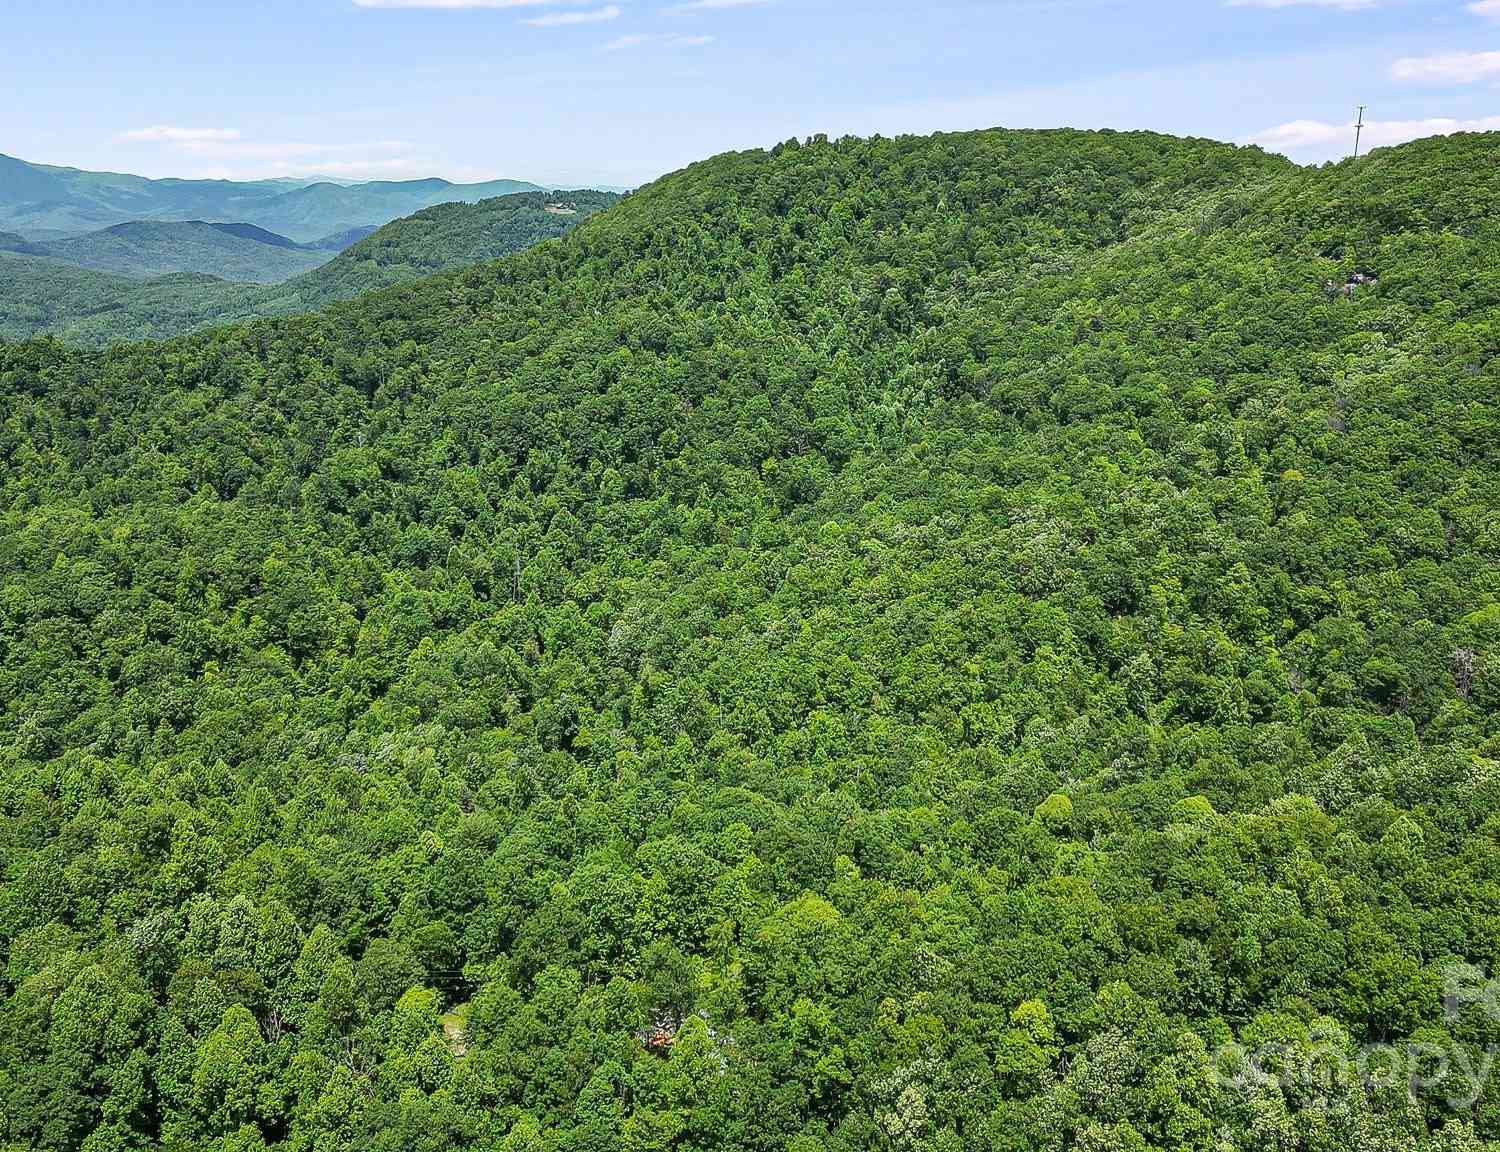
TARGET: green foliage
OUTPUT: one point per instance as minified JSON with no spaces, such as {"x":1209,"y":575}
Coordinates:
{"x":40,"y":295}
{"x":912,"y":644}
{"x":1056,"y":812}
{"x":440,"y":238}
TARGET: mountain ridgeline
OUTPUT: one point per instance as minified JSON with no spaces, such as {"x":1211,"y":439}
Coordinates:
{"x":40,"y":201}
{"x":39,"y":294}
{"x":981,"y":642}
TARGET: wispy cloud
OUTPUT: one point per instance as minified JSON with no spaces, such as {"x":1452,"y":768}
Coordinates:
{"x":566,"y":12}
{"x":1302,"y":136}
{"x":459,"y":4}
{"x":1447,"y":68}
{"x":175,"y":134}
{"x":1346,"y":5}
{"x":565,"y":19}
{"x":229,"y":142}
{"x":641,"y":39}
{"x":230,"y":146}
{"x":1485,"y":7}
{"x":621,"y":43}
{"x":364,"y":168}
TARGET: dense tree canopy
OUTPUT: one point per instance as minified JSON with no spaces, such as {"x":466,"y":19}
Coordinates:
{"x":907,"y":644}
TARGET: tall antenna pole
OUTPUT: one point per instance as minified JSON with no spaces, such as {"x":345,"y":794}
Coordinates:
{"x":1359,"y":130}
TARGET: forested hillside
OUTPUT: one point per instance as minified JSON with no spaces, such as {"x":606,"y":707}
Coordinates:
{"x":42,"y":296}
{"x":437,"y":239}
{"x":942,"y":644}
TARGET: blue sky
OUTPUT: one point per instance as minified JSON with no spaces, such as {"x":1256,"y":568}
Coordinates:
{"x":593,"y":91}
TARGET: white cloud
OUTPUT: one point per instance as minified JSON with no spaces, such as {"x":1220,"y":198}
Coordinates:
{"x":1321,"y":136}
{"x":287,"y":150}
{"x":555,"y":19}
{"x":363,"y":168}
{"x":1346,"y":5}
{"x":174,"y":134}
{"x":1448,"y":68}
{"x":565,"y":19}
{"x":640,"y":39}
{"x":229,"y":143}
{"x":228,"y":146}
{"x":1485,"y":7}
{"x":457,"y":4}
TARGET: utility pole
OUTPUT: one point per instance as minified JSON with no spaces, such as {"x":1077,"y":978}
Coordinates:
{"x":1359,"y":130}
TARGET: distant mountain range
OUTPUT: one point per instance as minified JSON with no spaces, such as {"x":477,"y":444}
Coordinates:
{"x":42,"y":202}
{"x":147,"y":248}
{"x":41,"y":291}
